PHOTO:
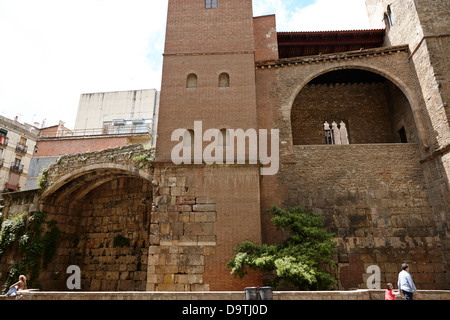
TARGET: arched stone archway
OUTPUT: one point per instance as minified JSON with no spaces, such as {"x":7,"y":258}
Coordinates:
{"x":365,"y":106}
{"x":366,"y":191}
{"x":391,"y":63}
{"x":102,"y":204}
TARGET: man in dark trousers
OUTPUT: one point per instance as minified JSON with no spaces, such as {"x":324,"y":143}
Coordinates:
{"x":405,"y":283}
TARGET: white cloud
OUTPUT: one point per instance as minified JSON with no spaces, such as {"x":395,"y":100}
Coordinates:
{"x":51,"y":51}
{"x":315,"y":15}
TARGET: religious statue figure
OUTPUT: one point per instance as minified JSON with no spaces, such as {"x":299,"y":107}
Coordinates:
{"x":328,"y":133}
{"x":343,"y":133}
{"x":336,"y":133}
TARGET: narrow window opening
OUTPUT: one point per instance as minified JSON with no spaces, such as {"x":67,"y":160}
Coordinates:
{"x":402,"y":134}
{"x":191,"y":81}
{"x":224,"y":80}
{"x":390,"y":16}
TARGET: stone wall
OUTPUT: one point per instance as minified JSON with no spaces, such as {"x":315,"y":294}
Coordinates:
{"x":424,"y":25}
{"x":119,"y":209}
{"x":201,"y":213}
{"x":373,"y":197}
{"x":227,"y":295}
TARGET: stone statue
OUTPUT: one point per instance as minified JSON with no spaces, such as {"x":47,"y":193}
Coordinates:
{"x":343,"y":133}
{"x":336,"y":133}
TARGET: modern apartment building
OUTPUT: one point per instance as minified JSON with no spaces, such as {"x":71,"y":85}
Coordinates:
{"x":104,"y":120}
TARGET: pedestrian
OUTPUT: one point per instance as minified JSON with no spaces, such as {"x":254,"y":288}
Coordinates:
{"x":406,"y":284}
{"x":21,"y":285}
{"x":389,"y":294}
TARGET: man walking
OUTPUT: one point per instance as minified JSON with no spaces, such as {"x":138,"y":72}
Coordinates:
{"x":405,"y":283}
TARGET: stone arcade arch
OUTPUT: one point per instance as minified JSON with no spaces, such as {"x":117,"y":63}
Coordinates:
{"x":102,"y":203}
{"x":391,"y":63}
{"x":367,"y":106}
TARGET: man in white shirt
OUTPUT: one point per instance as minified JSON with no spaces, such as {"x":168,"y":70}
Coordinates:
{"x":406,"y":283}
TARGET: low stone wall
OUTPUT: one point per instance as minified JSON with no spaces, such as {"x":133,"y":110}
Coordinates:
{"x":226,"y":295}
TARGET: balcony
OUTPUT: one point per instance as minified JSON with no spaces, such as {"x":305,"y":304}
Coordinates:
{"x":11,"y":187}
{"x":21,"y":148}
{"x":17,"y":168}
{"x":4,"y":141}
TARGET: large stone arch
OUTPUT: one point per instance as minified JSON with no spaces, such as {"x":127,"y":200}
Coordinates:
{"x":390,"y":63}
{"x":102,"y":203}
{"x":113,"y":170}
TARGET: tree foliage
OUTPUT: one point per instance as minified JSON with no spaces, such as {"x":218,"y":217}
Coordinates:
{"x":297,"y":261}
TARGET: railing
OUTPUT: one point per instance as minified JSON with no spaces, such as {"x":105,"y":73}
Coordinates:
{"x":107,"y":130}
{"x":17,"y":168}
{"x":11,"y":187}
{"x":4,"y":141}
{"x":21,"y":147}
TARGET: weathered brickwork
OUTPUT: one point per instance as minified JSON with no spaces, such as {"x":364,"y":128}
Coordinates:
{"x":195,"y":225}
{"x":375,"y":197}
{"x":379,"y":209}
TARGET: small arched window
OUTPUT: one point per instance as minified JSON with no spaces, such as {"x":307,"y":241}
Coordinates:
{"x":191,"y":81}
{"x":224,"y":80}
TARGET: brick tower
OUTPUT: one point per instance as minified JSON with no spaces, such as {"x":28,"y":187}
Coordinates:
{"x":208,"y":69}
{"x":208,"y":76}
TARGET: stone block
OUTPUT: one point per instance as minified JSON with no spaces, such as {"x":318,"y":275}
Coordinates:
{"x":177,"y":228}
{"x":172,"y":182}
{"x":185,"y":200}
{"x":204,"y":207}
{"x":205,"y":200}
{"x":204,"y":217}
{"x":183,"y":208}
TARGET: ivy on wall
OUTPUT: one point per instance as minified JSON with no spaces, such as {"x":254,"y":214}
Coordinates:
{"x":32,"y":239}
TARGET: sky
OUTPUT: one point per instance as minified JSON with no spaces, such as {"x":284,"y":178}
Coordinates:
{"x":52,"y":51}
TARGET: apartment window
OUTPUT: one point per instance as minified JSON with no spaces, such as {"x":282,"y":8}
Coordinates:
{"x":211,"y":4}
{"x":17,"y":162}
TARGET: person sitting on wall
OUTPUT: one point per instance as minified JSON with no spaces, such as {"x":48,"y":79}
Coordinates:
{"x":21,"y":285}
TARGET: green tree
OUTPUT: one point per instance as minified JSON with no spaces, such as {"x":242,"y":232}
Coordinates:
{"x":299,"y":260}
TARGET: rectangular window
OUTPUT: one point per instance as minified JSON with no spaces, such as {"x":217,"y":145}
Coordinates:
{"x":211,"y":4}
